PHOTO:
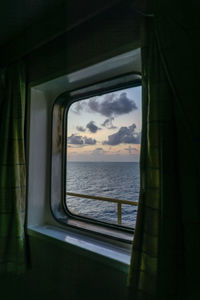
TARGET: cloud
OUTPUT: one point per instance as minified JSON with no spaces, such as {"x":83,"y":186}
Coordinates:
{"x":125,"y":135}
{"x":108,"y":123}
{"x":99,"y":151}
{"x":113,"y":105}
{"x":80,"y":140}
{"x":78,"y":107}
{"x":89,"y":141}
{"x":75,"y":139}
{"x":131,"y":150}
{"x":92,"y":127}
{"x":80,"y":128}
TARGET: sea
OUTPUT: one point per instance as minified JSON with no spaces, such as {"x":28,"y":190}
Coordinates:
{"x":107,"y":179}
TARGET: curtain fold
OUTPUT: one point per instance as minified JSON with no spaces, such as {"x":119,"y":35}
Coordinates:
{"x":12,"y":169}
{"x":165,"y":260}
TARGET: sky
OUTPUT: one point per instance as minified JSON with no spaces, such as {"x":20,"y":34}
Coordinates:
{"x":105,"y":128}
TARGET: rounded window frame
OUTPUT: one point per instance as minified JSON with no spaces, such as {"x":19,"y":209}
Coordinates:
{"x":58,"y":167}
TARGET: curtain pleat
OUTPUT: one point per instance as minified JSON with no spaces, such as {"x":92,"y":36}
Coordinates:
{"x":12,"y":169}
{"x":165,"y":260}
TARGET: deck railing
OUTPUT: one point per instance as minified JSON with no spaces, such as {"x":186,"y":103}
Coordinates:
{"x":118,"y":201}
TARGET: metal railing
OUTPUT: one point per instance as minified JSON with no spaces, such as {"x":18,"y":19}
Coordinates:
{"x":118,"y":201}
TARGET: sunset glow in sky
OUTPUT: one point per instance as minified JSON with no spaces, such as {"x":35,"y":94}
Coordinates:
{"x":105,"y":128}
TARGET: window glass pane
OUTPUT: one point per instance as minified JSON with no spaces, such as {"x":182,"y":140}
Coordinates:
{"x":103,"y":149}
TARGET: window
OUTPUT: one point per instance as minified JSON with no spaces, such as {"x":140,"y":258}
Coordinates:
{"x":95,"y":154}
{"x":102,"y":156}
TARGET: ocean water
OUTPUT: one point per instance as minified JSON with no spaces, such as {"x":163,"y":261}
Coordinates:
{"x":108,"y":179}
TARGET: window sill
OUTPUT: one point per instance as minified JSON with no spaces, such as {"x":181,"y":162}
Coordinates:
{"x":104,"y":252}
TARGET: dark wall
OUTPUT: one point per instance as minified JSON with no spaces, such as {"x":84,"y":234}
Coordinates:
{"x":74,"y":36}
{"x":57,"y":274}
{"x":110,"y":33}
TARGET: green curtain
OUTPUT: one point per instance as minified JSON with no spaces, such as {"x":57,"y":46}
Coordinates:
{"x":165,"y":260}
{"x":12,"y":169}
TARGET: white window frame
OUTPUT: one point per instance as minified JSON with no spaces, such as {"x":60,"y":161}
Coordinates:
{"x":40,"y":219}
{"x":58,"y":171}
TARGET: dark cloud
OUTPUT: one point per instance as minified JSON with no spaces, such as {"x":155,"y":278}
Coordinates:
{"x":108,"y":123}
{"x":78,"y":107}
{"x":131,"y":150}
{"x":89,"y":141}
{"x":80,"y":128}
{"x":92,"y":127}
{"x":125,"y":135}
{"x":75,"y":140}
{"x":98,"y":151}
{"x":113,"y":105}
{"x":80,"y":140}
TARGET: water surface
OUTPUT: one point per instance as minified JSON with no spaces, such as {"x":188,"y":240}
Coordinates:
{"x":107,"y":179}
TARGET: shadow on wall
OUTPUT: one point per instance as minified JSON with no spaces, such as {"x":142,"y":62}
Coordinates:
{"x":57,"y":274}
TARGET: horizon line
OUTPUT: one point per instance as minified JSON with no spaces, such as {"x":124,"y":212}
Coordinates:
{"x":100,"y":161}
